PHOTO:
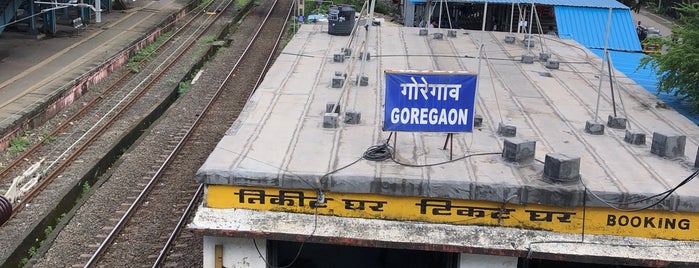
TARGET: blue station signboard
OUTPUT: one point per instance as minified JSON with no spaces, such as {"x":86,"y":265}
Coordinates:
{"x":429,"y":101}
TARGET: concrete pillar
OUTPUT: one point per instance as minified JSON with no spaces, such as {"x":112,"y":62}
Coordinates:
{"x":237,"y":252}
{"x":490,"y":261}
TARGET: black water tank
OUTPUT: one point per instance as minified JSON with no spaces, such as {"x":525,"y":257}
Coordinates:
{"x":5,"y":209}
{"x":341,"y":20}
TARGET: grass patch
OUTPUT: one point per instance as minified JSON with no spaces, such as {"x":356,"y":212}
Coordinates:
{"x":183,"y":87}
{"x":86,"y":189}
{"x":18,"y":144}
{"x":204,"y":4}
{"x":207,"y":39}
{"x":48,"y":139}
{"x":146,"y":54}
{"x":239,"y":4}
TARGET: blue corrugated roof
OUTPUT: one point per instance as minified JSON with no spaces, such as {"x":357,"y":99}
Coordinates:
{"x":571,"y":3}
{"x":627,"y":62}
{"x":588,"y":26}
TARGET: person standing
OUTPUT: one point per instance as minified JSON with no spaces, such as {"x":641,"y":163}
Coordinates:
{"x":637,"y":8}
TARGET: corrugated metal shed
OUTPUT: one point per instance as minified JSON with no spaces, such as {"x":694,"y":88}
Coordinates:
{"x":589,"y":25}
{"x":571,"y":3}
{"x":627,"y":63}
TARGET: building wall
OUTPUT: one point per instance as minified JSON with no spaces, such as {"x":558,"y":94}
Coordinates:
{"x":490,"y":261}
{"x":237,"y":252}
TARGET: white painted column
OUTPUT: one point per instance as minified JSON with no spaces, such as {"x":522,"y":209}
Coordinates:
{"x":237,"y":252}
{"x":490,"y":261}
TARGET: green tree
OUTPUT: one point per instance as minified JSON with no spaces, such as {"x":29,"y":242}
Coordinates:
{"x":678,"y":67}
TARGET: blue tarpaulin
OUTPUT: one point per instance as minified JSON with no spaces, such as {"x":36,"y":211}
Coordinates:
{"x":628,"y":62}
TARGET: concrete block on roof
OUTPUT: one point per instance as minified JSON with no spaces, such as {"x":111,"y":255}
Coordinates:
{"x":544,"y":56}
{"x":477,"y":120}
{"x":339,"y":58}
{"x":529,"y":42}
{"x":528,"y":59}
{"x":616,"y":122}
{"x":338,"y":82}
{"x":438,"y":36}
{"x":552,"y":64}
{"x":346,"y":51}
{"x":451,"y":33}
{"x":635,"y":137}
{"x":507,"y":130}
{"x":594,"y":128}
{"x":329,"y":107}
{"x":561,"y":168}
{"x":668,"y":144}
{"x":423,"y":32}
{"x":510,"y":39}
{"x":363,"y":80}
{"x":353,"y":117}
{"x":518,"y":150}
{"x":331,"y":120}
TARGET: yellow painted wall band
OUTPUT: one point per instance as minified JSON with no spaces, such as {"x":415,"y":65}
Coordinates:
{"x":598,"y":220}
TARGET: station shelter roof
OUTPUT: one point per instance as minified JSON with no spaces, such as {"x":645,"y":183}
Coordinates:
{"x":589,"y":26}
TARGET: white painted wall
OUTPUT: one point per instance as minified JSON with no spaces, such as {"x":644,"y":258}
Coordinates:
{"x":237,"y":252}
{"x":490,"y":261}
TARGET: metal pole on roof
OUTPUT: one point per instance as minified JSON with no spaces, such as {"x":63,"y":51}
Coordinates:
{"x":540,"y":29}
{"x":531,"y":18}
{"x":512,"y":15}
{"x":480,"y":55}
{"x":439,"y":24}
{"x":363,"y":57}
{"x":616,"y":82}
{"x":485,"y":15}
{"x":601,"y":71}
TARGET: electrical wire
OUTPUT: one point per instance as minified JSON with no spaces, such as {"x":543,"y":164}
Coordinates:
{"x":378,"y":152}
{"x":298,"y":253}
{"x":666,"y":194}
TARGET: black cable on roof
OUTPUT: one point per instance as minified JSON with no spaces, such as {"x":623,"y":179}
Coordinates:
{"x":664,"y":195}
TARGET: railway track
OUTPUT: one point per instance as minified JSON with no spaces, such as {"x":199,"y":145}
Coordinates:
{"x":115,"y":116}
{"x":159,"y":176}
{"x":179,"y":168}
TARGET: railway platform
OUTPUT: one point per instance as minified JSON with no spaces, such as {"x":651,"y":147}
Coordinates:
{"x":40,"y":75}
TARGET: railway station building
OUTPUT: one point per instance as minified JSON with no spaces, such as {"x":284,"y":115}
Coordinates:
{"x":440,"y":147}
